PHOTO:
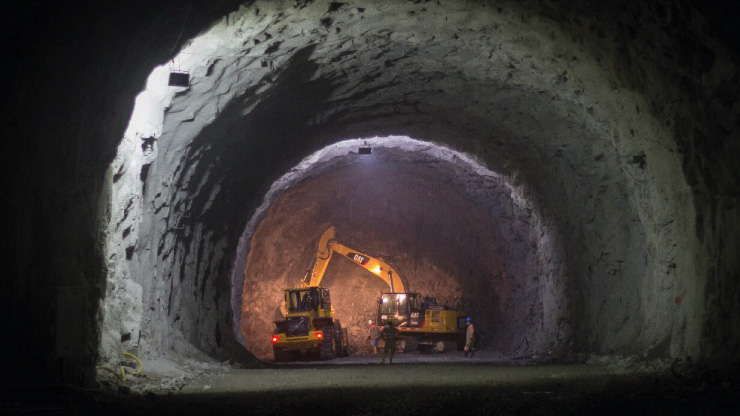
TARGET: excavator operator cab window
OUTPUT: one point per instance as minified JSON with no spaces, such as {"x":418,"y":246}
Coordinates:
{"x":413,"y":302}
{"x":399,"y":303}
{"x":388,"y":304}
{"x":402,"y":304}
{"x":395,"y":305}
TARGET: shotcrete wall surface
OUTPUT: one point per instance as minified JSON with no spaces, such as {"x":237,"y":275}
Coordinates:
{"x":580,"y":235}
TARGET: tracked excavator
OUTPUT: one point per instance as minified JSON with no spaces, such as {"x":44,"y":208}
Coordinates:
{"x":421,"y":322}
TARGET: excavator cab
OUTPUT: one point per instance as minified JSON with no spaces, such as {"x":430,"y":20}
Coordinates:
{"x":406,"y":309}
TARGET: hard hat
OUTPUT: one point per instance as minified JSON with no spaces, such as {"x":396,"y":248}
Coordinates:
{"x":370,"y":322}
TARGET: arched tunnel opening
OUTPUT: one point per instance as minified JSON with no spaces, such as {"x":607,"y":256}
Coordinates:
{"x":565,"y":174}
{"x":405,"y":206}
{"x":540,"y":207}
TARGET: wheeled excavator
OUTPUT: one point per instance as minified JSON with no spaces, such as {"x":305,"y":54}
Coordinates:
{"x":421,"y":322}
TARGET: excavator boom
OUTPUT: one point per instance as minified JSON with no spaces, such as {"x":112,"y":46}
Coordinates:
{"x":420,"y":321}
{"x":328,"y":246}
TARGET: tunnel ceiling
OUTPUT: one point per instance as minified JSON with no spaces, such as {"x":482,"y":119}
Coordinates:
{"x":579,"y":128}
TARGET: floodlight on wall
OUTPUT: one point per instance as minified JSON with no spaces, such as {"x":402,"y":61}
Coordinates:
{"x":179,"y":79}
{"x":365,"y":149}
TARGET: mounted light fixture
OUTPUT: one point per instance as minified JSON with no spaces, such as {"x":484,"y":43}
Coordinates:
{"x":365,"y":150}
{"x":179,"y":79}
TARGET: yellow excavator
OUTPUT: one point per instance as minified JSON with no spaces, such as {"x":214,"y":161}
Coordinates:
{"x":421,"y":322}
{"x":310,"y":328}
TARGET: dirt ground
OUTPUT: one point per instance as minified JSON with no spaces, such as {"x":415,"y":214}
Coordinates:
{"x":415,"y":384}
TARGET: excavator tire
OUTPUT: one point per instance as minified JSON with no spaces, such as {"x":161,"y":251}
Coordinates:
{"x":327,"y":348}
{"x":340,"y":349}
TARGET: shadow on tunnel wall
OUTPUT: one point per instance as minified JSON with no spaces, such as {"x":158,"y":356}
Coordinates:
{"x":223,"y":178}
{"x":74,"y":71}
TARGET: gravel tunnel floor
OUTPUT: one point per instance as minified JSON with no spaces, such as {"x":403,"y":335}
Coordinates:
{"x":414,"y":384}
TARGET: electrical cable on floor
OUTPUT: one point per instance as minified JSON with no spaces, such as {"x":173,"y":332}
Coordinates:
{"x":138,"y":361}
{"x":122,"y":375}
{"x":124,"y":371}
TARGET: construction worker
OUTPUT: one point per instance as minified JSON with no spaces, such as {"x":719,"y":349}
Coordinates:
{"x":469,"y":338}
{"x":389,"y":335}
{"x":373,"y":335}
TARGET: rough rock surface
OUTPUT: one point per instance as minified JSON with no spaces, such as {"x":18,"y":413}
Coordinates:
{"x":578,"y":184}
{"x":271,"y":82}
{"x":616,"y":122}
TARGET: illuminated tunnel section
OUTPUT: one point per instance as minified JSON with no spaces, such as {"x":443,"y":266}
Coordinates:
{"x":547,"y":196}
{"x":453,"y":231}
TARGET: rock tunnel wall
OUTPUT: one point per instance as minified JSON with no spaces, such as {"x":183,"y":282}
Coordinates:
{"x":289,"y":84}
{"x":632,"y":104}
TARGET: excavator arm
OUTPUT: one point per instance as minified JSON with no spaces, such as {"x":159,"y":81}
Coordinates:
{"x":328,"y":246}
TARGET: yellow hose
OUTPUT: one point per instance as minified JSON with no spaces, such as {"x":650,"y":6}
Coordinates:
{"x":123,"y":368}
{"x":138,"y":361}
{"x":122,"y":375}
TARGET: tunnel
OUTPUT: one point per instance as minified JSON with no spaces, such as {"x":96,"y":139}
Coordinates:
{"x":565,"y":174}
{"x":382,"y":203}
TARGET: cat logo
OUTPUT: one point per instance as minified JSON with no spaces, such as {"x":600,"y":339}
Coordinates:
{"x":358,"y":258}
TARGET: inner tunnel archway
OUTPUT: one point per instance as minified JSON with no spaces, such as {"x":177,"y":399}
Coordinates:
{"x":455,"y":230}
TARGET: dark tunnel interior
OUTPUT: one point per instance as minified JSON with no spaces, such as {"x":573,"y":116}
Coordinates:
{"x":565,"y":174}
